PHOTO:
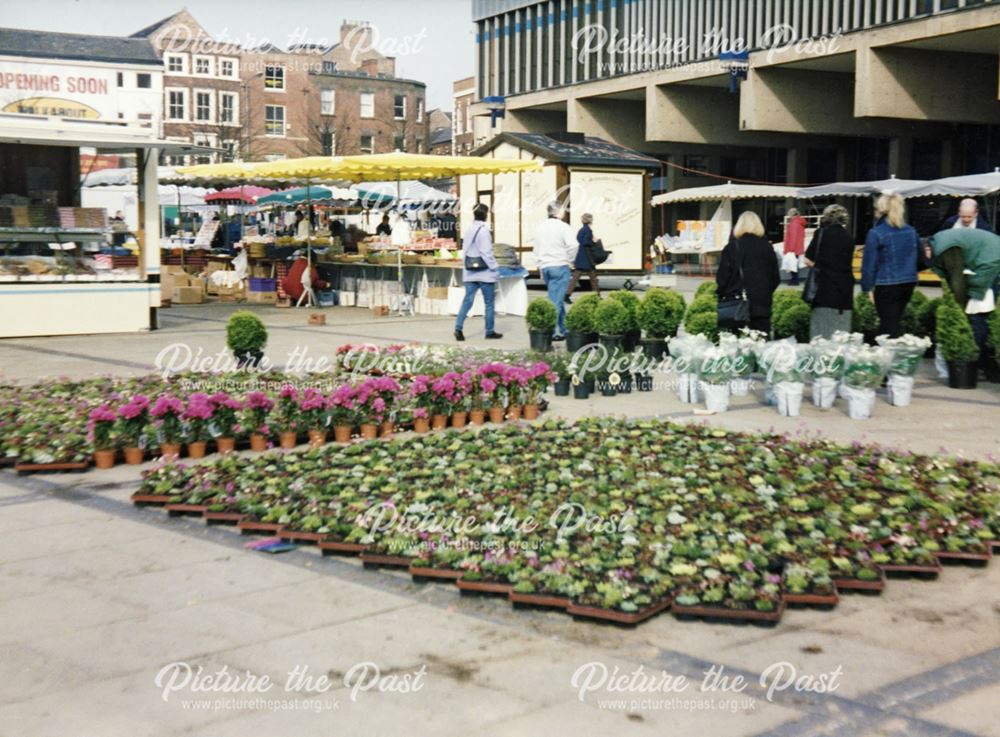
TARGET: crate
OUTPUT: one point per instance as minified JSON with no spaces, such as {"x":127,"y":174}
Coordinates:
{"x":325,"y":298}
{"x":263,"y":285}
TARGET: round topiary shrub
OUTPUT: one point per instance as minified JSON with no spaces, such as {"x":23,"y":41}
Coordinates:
{"x":792,"y":322}
{"x":864,"y":318}
{"x":707,"y":288}
{"x":611,"y":318}
{"x":246,"y":337}
{"x":704,"y":322}
{"x":911,"y":315}
{"x":660,"y":313}
{"x":954,"y":333}
{"x":580,"y":317}
{"x":631,"y":304}
{"x":541,"y":315}
{"x":927,"y":317}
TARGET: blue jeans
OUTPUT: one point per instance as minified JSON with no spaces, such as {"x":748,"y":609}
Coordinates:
{"x":489,"y":293}
{"x":557,"y":282}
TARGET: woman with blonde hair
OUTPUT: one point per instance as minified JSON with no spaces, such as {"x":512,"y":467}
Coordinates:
{"x":831,"y":254}
{"x":748,"y":266}
{"x":889,"y":263}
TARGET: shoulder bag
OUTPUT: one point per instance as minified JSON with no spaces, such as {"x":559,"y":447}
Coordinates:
{"x":811,"y":288}
{"x":475,"y":263}
{"x":598,"y":255}
{"x":735,"y":309}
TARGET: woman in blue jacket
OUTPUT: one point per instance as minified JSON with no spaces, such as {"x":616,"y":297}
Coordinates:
{"x":889,"y":263}
{"x":584,"y":263}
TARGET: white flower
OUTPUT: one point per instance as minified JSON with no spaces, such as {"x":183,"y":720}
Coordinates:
{"x":676,"y":518}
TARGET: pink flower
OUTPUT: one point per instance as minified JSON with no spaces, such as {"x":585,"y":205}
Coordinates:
{"x":104,"y":413}
{"x":420,"y":413}
{"x":167,"y":404}
{"x":259,"y":400}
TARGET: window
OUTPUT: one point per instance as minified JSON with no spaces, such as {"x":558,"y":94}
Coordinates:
{"x":227,"y":67}
{"x":399,"y":142}
{"x":203,"y":106}
{"x":274,"y":120}
{"x":203,"y":66}
{"x":177,"y":104}
{"x":420,"y":110}
{"x":327,"y":102}
{"x":121,"y":79}
{"x":144,"y":81}
{"x":399,"y":107}
{"x":274,"y":78}
{"x":175,"y":63}
{"x":227,"y":107}
{"x":229,"y":148}
{"x":367,"y":105}
{"x":367,"y":144}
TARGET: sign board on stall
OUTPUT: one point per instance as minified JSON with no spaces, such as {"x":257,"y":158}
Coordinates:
{"x":615,"y":199}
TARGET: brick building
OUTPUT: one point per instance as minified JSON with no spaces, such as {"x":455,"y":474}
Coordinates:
{"x":462,"y":137}
{"x":439,"y":137}
{"x":201,"y":86}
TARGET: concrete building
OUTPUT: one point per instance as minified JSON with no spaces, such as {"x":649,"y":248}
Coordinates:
{"x":201,"y":90}
{"x":853,"y":89}
{"x":463,"y":96}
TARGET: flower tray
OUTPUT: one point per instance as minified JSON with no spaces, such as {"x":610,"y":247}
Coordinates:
{"x":618,"y":617}
{"x":856,"y":584}
{"x":548,"y":601}
{"x":718,"y":613}
{"x":336,"y":546}
{"x":223,"y":518}
{"x":963,"y":558}
{"x":150,"y":500}
{"x":438,"y":574}
{"x":821,"y":601}
{"x":252,"y":527}
{"x":907,"y":570}
{"x":51,"y":467}
{"x":484,"y":587}
{"x":378,"y":560}
{"x":193,"y":510}
{"x":8,"y":461}
{"x":301,"y":536}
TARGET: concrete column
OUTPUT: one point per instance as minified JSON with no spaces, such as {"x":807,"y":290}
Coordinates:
{"x":901,"y":156}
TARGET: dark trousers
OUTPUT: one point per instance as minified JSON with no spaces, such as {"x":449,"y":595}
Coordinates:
{"x":576,"y":278}
{"x":890,"y":303}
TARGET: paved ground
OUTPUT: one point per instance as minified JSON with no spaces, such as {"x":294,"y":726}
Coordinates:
{"x":97,"y":597}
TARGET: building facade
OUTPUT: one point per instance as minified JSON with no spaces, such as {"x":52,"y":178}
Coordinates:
{"x":463,"y":96}
{"x":852,"y":89}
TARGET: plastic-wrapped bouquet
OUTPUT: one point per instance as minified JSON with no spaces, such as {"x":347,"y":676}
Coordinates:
{"x":826,"y":368}
{"x":716,"y":369}
{"x":864,"y":369}
{"x":746,"y":346}
{"x":685,"y":351}
{"x":907,"y":353}
{"x":845,"y":338}
{"x":783,"y":363}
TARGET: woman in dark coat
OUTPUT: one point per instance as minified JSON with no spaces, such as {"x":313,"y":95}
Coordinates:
{"x":832,"y":252}
{"x":748,"y":248}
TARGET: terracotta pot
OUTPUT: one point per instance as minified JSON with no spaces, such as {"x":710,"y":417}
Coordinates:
{"x":225,"y":445}
{"x":421,"y":424}
{"x":288,"y":440}
{"x":459,"y":419}
{"x":496,"y":414}
{"x":133,"y":456}
{"x":170,"y":450}
{"x":104,"y":458}
{"x":531,"y":411}
{"x":342,"y":433}
{"x":439,"y":422}
{"x":317,"y":438}
{"x":386,"y":429}
{"x":477,"y":416}
{"x":514,"y":412}
{"x":258,"y":442}
{"x":197,"y":449}
{"x":369,"y":431}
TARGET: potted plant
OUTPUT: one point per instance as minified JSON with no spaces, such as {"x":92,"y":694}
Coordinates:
{"x":286,"y":416}
{"x":464,"y":387}
{"x":257,"y":408}
{"x":343,"y":412}
{"x":167,"y":412}
{"x":493,"y":384}
{"x":445,"y":393}
{"x":421,"y":420}
{"x":101,"y":431}
{"x":631,"y":303}
{"x":540,"y":375}
{"x":133,"y":417}
{"x":422,"y":398}
{"x":611,"y":318}
{"x":226,"y":420}
{"x":246,"y":337}
{"x":198,"y":416}
{"x":958,"y":346}
{"x":477,"y":399}
{"x":541,"y":318}
{"x":517,"y":380}
{"x":580,"y":330}
{"x":315,"y":415}
{"x":562,"y":376}
{"x":660,"y":314}
{"x":582,"y":384}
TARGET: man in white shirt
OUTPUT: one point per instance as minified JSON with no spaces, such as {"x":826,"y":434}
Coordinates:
{"x":555,"y":249}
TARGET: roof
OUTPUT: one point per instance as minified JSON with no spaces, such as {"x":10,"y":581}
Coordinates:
{"x":439,"y":136}
{"x":592,"y":151}
{"x":151,"y":29}
{"x":40,"y":130}
{"x":48,"y":45}
{"x":357,"y":74}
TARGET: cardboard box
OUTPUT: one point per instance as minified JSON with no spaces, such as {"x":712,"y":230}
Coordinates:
{"x":317,"y":318}
{"x":188,"y":296}
{"x":264,"y":298}
{"x":437,"y":293}
{"x":380,"y":311}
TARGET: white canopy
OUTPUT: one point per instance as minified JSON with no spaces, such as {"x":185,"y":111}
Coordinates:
{"x":727,"y":191}
{"x":411,"y":192}
{"x":862,"y":189}
{"x":972,"y":185}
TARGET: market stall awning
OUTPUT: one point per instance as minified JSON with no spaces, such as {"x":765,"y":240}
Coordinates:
{"x":248,"y":194}
{"x":411,"y":193}
{"x":318,"y":193}
{"x":42,"y":130}
{"x":385,"y":167}
{"x":862,"y":189}
{"x":727,"y":191}
{"x":971,"y":185}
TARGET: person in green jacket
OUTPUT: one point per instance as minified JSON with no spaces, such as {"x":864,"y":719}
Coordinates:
{"x":969,"y":261}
